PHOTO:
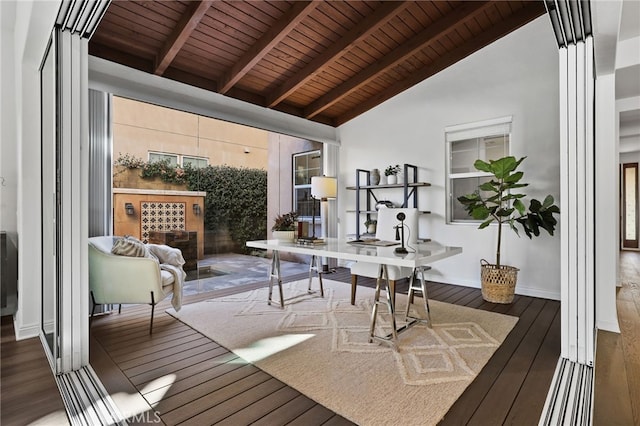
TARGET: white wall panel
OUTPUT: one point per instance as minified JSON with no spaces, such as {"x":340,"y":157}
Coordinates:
{"x":502,"y":79}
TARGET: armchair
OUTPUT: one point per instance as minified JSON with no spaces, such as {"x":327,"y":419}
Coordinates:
{"x":116,"y":279}
{"x":385,"y":230}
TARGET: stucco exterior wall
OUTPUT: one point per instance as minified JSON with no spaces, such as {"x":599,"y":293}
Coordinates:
{"x":140,"y":128}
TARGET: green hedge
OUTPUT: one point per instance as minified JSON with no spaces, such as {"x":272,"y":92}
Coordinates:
{"x":236,"y":200}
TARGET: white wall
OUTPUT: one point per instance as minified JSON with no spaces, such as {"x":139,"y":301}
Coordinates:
{"x":8,"y":148}
{"x":33,"y":25}
{"x":518,"y":76}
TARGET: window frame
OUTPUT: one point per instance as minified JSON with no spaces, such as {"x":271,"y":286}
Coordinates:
{"x":179,"y":157}
{"x":502,"y":126}
{"x":295,"y":187}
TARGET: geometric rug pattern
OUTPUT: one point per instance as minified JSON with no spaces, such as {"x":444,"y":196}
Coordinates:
{"x":320,"y":347}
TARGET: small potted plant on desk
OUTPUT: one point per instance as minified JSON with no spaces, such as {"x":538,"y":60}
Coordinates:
{"x":391,"y":172}
{"x":371,"y":226}
{"x":284,"y":226}
{"x":495,"y":201}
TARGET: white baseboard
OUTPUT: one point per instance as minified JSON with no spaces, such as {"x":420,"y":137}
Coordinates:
{"x":26,"y":332}
{"x":611,"y":326}
{"x":520,"y":289}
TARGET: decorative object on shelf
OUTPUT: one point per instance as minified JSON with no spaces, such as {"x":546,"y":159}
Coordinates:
{"x":371,"y":226}
{"x":497,"y":201}
{"x":383,"y":204}
{"x":284,"y":226}
{"x":374,"y":177}
{"x":367,"y":202}
{"x":391,"y":172}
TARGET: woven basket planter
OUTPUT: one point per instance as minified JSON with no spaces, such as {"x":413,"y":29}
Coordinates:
{"x":498,"y":283}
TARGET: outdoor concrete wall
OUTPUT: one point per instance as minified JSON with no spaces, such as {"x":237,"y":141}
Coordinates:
{"x":139,"y":128}
{"x":516,"y":75}
{"x":124,"y":224}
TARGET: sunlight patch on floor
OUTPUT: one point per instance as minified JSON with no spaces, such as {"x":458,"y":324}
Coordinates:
{"x":133,"y":405}
{"x":264,"y":348}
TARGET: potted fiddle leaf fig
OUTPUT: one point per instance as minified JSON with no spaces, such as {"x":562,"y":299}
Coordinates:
{"x":499,"y":201}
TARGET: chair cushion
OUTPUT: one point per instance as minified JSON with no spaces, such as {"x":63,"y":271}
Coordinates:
{"x":129,"y":246}
{"x":166,"y":277}
{"x":371,"y":270}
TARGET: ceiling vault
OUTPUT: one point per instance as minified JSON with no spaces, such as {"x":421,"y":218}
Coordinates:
{"x":327,"y":61}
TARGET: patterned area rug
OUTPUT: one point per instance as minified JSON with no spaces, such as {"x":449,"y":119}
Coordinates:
{"x":319,"y":346}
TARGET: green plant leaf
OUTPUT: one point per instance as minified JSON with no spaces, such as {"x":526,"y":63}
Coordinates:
{"x":488,"y":186}
{"x":519,"y":205}
{"x":548,"y":201}
{"x":503,"y":167}
{"x":482,"y":166}
{"x":480,"y":212}
{"x":504,"y":212}
{"x":485,"y":223}
{"x":535,"y":206}
{"x":513,"y":178}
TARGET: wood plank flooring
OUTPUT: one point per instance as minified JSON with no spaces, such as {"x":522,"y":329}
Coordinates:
{"x":28,"y":391}
{"x":209,"y":384}
{"x":617,"y":378}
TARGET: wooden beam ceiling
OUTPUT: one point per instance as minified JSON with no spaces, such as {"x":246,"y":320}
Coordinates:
{"x":180,"y":34}
{"x":325,"y":61}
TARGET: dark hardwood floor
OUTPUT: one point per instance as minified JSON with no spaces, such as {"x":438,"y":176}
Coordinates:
{"x":28,"y":391}
{"x":209,"y":384}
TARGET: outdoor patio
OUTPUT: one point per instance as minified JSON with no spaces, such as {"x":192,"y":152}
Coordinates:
{"x":220,"y":271}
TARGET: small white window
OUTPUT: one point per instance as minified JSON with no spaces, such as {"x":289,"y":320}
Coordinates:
{"x":196,"y":162}
{"x":161,"y":156}
{"x":466,"y":143}
{"x":176,"y":159}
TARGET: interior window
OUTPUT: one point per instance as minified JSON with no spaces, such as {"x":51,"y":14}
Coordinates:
{"x":305,"y":166}
{"x":466,"y":143}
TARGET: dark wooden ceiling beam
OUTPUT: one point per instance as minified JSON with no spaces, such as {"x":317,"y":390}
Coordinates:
{"x":519,"y":18}
{"x":439,"y":28}
{"x":187,"y":24}
{"x":271,"y":38}
{"x":368,"y":26}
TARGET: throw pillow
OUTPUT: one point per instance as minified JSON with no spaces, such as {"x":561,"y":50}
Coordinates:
{"x":129,"y":246}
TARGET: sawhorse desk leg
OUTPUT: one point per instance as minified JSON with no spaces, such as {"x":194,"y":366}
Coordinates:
{"x":275,"y":274}
{"x":315,"y":265}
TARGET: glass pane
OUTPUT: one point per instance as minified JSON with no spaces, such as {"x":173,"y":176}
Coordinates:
{"x":306,"y":166}
{"x":495,"y":147}
{"x":305,"y":204}
{"x":460,"y":187}
{"x":463,"y":154}
{"x":198,"y":163}
{"x":630,"y":203}
{"x":173,"y":159}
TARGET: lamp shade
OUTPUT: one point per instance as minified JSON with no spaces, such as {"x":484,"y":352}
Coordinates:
{"x":324,"y":187}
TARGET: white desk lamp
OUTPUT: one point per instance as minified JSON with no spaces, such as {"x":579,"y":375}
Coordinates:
{"x":324,"y":188}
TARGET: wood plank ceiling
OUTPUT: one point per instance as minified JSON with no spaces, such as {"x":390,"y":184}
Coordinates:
{"x":327,"y":61}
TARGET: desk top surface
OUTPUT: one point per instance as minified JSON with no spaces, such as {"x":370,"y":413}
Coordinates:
{"x":419,"y":254}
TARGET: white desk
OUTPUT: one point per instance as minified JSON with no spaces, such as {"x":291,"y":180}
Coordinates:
{"x":425,"y":254}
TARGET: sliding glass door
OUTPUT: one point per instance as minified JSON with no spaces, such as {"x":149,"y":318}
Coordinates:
{"x":50,"y":203}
